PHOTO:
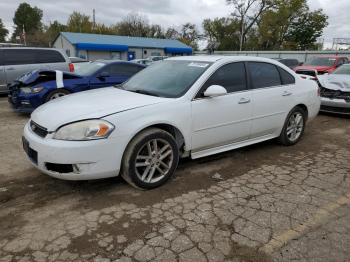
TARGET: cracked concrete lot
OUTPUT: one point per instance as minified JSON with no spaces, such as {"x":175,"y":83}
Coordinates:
{"x":261,"y":203}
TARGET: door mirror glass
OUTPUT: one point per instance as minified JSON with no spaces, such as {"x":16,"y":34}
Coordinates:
{"x":215,"y":90}
{"x":103,"y":74}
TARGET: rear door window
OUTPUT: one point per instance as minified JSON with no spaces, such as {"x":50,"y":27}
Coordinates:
{"x":263,"y":75}
{"x":19,"y":56}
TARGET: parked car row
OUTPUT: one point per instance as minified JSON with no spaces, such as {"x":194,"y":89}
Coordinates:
{"x":15,"y":62}
{"x":40,"y":86}
{"x":186,"y":106}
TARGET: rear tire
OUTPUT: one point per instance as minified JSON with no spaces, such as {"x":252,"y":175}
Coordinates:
{"x":150,"y":159}
{"x":56,"y":94}
{"x":294,"y":127}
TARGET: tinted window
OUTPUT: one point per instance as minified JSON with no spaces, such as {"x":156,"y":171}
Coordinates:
{"x":124,"y":69}
{"x":263,"y":75}
{"x":31,"y":56}
{"x":291,"y":62}
{"x":48,"y":56}
{"x":231,"y":76}
{"x":287,"y":78}
{"x":19,"y":56}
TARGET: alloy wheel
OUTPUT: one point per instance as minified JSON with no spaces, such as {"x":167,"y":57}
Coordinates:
{"x":295,"y":126}
{"x":57,"y":95}
{"x":154,"y":160}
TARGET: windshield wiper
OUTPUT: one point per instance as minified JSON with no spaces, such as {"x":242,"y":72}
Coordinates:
{"x":144,"y":92}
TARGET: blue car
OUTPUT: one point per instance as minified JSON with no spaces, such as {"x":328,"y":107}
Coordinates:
{"x":38,"y":87}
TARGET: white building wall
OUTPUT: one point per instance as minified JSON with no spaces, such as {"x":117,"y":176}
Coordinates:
{"x":62,"y":43}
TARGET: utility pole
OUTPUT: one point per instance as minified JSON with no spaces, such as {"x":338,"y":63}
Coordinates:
{"x":93,"y":19}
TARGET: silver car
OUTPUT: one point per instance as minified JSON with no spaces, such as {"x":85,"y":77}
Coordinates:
{"x":335,"y":91}
{"x":16,"y":61}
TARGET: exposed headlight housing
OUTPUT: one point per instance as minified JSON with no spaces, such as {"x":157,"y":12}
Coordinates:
{"x":84,"y":130}
{"x":31,"y":90}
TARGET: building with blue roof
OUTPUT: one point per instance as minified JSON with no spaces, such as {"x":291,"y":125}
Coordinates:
{"x":96,"y":46}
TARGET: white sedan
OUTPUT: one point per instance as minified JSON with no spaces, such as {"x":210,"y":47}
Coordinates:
{"x":185,"y":106}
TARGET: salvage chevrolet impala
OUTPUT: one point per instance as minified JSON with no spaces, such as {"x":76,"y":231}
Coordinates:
{"x":187,"y":106}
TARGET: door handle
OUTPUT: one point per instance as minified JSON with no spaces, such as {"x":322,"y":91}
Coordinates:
{"x":10,"y":69}
{"x":244,"y":101}
{"x":286,"y":93}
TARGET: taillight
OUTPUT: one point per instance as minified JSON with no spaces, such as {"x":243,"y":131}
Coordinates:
{"x":71,"y":67}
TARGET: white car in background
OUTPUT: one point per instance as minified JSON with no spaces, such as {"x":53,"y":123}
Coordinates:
{"x":335,"y":91}
{"x":186,"y":106}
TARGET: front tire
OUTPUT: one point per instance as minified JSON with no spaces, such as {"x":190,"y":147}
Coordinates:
{"x":150,"y":159}
{"x":294,"y":127}
{"x":56,"y":94}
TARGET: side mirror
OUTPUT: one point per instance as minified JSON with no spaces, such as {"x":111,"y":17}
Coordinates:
{"x":103,"y":75}
{"x":215,"y":90}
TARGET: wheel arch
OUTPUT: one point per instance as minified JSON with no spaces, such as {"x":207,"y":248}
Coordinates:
{"x":304,"y":107}
{"x":51,"y":90}
{"x":171,"y":129}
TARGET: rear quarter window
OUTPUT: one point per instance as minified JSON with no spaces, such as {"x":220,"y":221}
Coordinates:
{"x":48,"y":56}
{"x":286,"y":78}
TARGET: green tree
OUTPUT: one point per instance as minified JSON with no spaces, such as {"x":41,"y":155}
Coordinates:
{"x":3,"y":32}
{"x":189,"y":35}
{"x":248,"y":13}
{"x":79,"y":23}
{"x":222,"y":33}
{"x":307,"y":28}
{"x":275,"y":24}
{"x":133,"y":25}
{"x":28,"y":18}
{"x":53,"y":30}
{"x":171,"y":33}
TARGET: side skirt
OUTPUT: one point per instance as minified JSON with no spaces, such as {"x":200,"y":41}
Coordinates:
{"x":224,"y":148}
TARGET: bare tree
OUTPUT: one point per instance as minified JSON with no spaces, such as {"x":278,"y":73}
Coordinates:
{"x":248,"y":13}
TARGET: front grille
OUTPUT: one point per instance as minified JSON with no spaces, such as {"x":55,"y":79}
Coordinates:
{"x":330,"y":93}
{"x":333,"y":109}
{"x":37,"y":129}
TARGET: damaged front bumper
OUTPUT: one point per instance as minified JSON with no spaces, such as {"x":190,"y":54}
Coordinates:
{"x":22,"y":102}
{"x":335,"y":101}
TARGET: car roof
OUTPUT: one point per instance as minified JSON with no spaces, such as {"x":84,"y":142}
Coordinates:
{"x":37,"y":48}
{"x":214,"y":58}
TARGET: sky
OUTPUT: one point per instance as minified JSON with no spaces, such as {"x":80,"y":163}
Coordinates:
{"x":166,"y":12}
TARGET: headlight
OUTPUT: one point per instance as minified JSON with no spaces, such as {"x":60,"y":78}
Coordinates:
{"x":84,"y":130}
{"x":31,"y":90}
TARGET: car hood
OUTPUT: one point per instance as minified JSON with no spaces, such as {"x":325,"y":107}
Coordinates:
{"x":89,"y":105}
{"x":310,"y":67}
{"x":335,"y":82}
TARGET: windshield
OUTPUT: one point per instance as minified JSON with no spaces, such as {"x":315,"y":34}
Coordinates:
{"x":343,"y":70}
{"x":169,"y":78}
{"x":322,"y":61}
{"x":89,"y":68}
